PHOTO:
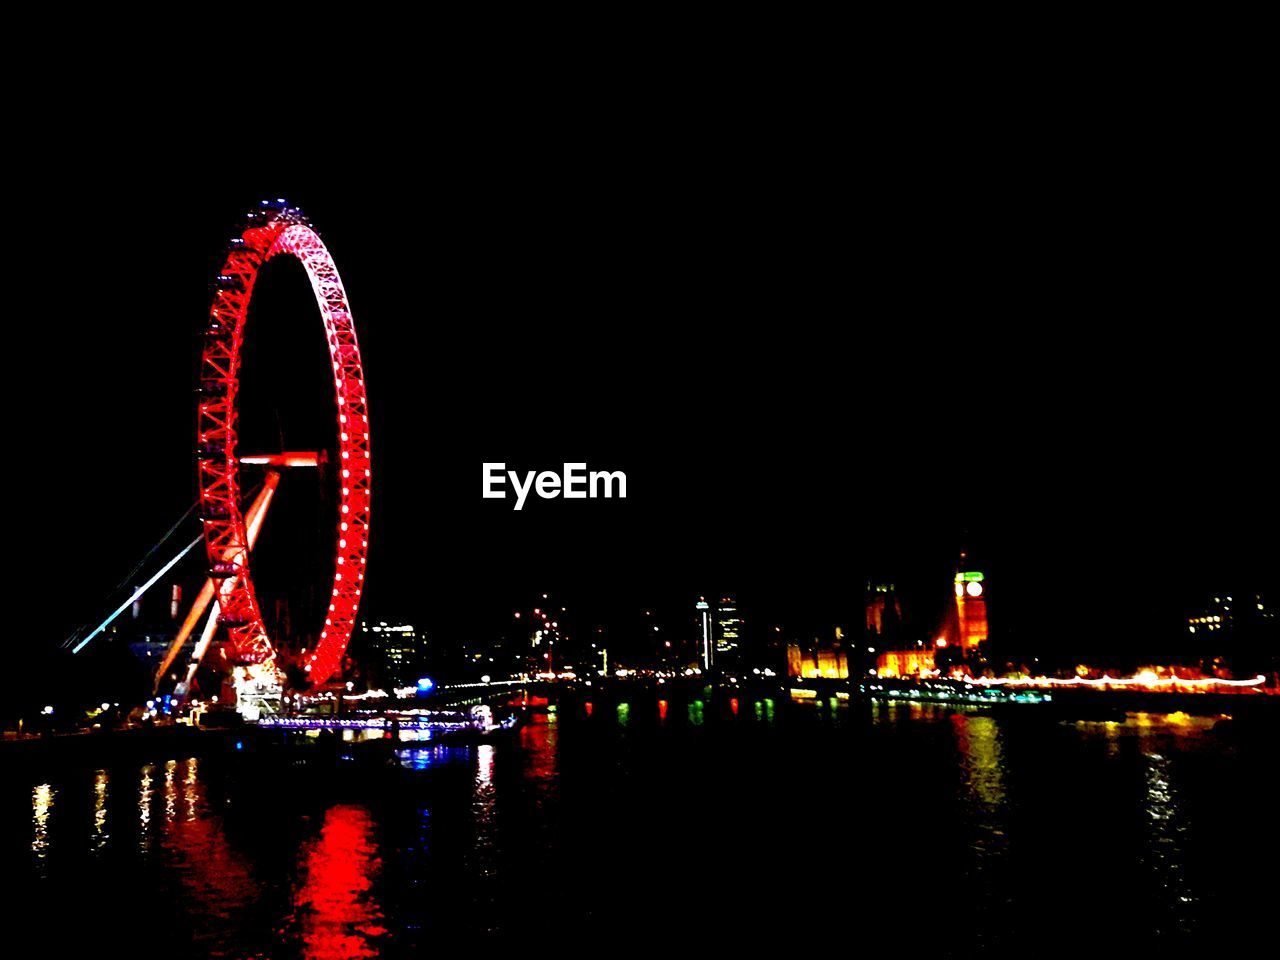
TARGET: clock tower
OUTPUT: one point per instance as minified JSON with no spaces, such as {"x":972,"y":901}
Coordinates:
{"x":971,"y":608}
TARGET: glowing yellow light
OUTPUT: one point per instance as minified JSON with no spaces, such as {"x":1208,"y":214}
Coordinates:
{"x":1146,"y":678}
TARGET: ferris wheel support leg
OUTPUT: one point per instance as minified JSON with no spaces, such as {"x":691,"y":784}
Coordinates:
{"x":253,"y":524}
{"x":197,"y":655}
{"x":198,"y":607}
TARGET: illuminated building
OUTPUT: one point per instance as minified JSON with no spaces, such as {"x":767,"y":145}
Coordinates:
{"x":829,"y":663}
{"x":884,"y":612}
{"x":728,"y":628}
{"x":971,"y":610}
{"x":1225,"y":614}
{"x":1239,"y":630}
{"x":820,"y":660}
{"x":905,"y":663}
{"x":396,"y":648}
{"x":704,"y":613}
{"x":965,"y":628}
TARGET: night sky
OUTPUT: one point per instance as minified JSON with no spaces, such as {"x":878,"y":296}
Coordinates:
{"x":810,"y":375}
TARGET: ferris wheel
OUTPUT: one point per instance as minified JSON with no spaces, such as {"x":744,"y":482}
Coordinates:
{"x":277,"y":229}
{"x":230,"y":526}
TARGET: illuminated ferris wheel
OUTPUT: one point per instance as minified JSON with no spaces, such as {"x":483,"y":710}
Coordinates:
{"x":230,"y":530}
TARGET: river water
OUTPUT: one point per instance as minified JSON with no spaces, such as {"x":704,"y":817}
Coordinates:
{"x":727,"y":822}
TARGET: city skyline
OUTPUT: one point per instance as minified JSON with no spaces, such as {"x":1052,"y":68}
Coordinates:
{"x":940,"y":612}
{"x":636,"y":636}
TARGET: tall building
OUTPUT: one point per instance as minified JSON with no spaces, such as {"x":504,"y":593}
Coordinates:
{"x":728,"y":629}
{"x":397,"y":649}
{"x":971,"y":609}
{"x":1227,"y":614}
{"x":884,"y":611}
{"x":707,"y":650}
{"x":964,"y":629}
{"x":1242,"y":626}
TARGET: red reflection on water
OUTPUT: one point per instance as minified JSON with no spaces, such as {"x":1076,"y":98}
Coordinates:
{"x":589,"y":705}
{"x":662,"y":709}
{"x":733,"y":705}
{"x":538,"y":743}
{"x":338,"y":916}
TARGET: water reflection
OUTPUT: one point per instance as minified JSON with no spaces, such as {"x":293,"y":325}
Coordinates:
{"x":216,"y":877}
{"x":145,"y":792}
{"x":1165,"y":849}
{"x":1030,"y":822}
{"x":538,"y":742}
{"x":424,"y":758}
{"x":982,"y":763}
{"x":483,"y":859}
{"x":484,"y":766}
{"x":170,"y":791}
{"x":335,"y":912}
{"x":100,"y":835}
{"x":1113,"y":732}
{"x":189,"y":791}
{"x":1157,"y":742}
{"x":41,"y":807}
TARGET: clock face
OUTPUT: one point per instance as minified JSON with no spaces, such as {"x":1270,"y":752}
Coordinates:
{"x":959,"y":589}
{"x":973,"y":588}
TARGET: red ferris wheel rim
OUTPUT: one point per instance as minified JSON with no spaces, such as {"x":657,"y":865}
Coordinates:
{"x":277,"y":229}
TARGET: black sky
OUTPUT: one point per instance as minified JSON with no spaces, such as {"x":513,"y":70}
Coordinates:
{"x":814,"y":369}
